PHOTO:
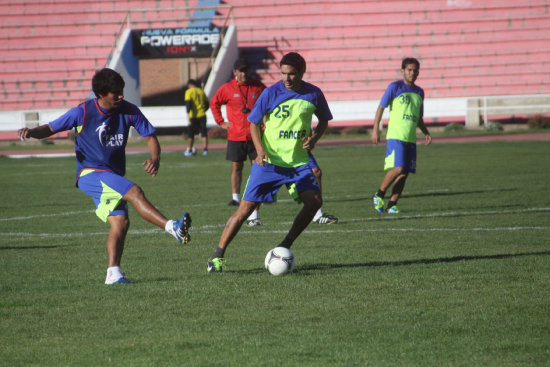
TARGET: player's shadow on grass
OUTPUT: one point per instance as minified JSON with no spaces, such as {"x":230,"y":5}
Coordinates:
{"x":454,"y":193}
{"x":453,"y":259}
{"x":426,"y":194}
{"x":303,"y":270}
{"x":33,"y":247}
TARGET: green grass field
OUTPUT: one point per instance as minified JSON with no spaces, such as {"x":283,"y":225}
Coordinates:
{"x":460,"y":278}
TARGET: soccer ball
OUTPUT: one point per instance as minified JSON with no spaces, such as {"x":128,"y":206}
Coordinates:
{"x":279,"y":261}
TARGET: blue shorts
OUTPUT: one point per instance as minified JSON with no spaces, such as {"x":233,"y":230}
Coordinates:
{"x":107,"y":190}
{"x":265,"y":181}
{"x":400,"y":154}
{"x":312,"y":162}
{"x":292,"y":187}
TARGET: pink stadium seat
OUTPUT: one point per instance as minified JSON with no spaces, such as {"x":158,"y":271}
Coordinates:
{"x":354,"y":47}
{"x":49,"y":50}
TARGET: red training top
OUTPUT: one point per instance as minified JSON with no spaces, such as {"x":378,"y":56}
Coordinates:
{"x":236,"y":96}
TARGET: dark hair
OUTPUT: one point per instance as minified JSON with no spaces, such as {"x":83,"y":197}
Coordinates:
{"x":295,"y":60}
{"x":107,"y":80}
{"x":193,"y":82}
{"x":409,"y":60}
{"x":241,"y":65}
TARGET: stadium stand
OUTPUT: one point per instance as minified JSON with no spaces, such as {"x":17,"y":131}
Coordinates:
{"x":354,"y":47}
{"x":49,"y":49}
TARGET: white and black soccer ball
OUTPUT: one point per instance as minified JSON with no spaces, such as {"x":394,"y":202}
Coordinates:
{"x":279,"y":261}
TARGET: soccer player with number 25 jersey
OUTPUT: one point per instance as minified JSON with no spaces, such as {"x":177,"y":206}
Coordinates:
{"x":282,"y":151}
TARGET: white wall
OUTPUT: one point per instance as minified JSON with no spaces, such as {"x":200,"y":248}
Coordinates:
{"x":177,"y":116}
{"x":223,"y":65}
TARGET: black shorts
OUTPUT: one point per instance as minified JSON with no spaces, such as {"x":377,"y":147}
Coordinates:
{"x":197,"y":125}
{"x":237,"y":151}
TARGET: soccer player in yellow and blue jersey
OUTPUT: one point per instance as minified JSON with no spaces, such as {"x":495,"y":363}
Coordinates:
{"x":282,"y":151}
{"x":406,"y":102}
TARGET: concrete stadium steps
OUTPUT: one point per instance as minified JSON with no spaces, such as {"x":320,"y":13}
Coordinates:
{"x":354,"y":47}
{"x":361,"y":93}
{"x":23,"y":6}
{"x":44,"y":102}
{"x":376,"y":28}
{"x":76,"y":92}
{"x":263,"y":12}
{"x":66,"y":49}
{"x":53,"y":73}
{"x":84,"y":27}
{"x":49,"y":50}
{"x":429,"y":68}
{"x":398,"y":37}
{"x":373,"y":87}
{"x":418,"y":50}
{"x":16,"y":42}
{"x":95,"y":16}
{"x":44,"y":83}
{"x":55,"y":61}
{"x":430,"y":63}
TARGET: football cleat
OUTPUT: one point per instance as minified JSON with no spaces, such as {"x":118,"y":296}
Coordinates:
{"x":233,"y":202}
{"x":393,"y":210}
{"x":189,"y":152}
{"x":254,"y":222}
{"x":215,"y":265}
{"x":205,"y":152}
{"x":121,"y":280}
{"x":326,"y":219}
{"x":181,"y":228}
{"x":378,"y":203}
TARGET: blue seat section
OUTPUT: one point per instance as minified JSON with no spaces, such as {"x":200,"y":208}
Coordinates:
{"x":203,"y":17}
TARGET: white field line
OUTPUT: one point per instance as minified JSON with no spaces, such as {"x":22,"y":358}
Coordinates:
{"x":262,"y":231}
{"x":215,"y":228}
{"x":381,"y":217}
{"x":448,"y":214}
{"x":46,"y":215}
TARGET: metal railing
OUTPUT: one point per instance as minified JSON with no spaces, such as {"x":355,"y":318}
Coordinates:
{"x":505,"y":106}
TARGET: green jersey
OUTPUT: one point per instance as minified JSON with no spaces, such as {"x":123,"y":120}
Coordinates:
{"x":406,"y":109}
{"x":288,"y":117}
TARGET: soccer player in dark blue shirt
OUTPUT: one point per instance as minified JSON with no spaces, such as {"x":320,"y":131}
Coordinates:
{"x":101,"y":129}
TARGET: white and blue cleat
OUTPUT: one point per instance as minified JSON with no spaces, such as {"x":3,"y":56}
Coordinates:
{"x":181,"y":228}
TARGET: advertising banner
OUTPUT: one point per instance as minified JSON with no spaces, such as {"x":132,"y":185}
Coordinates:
{"x":175,"y":42}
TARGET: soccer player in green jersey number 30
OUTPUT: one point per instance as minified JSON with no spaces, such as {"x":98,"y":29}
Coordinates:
{"x":282,"y":151}
{"x":406,"y":101}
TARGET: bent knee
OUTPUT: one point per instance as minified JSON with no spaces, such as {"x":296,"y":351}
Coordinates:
{"x":313,"y":202}
{"x":134,"y":193}
{"x":120,"y":222}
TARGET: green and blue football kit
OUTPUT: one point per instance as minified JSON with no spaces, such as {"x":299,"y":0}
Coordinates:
{"x":406,"y":110}
{"x":288,"y":115}
{"x":100,"y":143}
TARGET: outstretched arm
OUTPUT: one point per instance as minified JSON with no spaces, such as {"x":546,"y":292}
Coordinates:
{"x":40,"y":132}
{"x":152,"y":164}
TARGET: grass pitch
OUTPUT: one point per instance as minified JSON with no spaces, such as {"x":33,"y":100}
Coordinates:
{"x":459,"y":278}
